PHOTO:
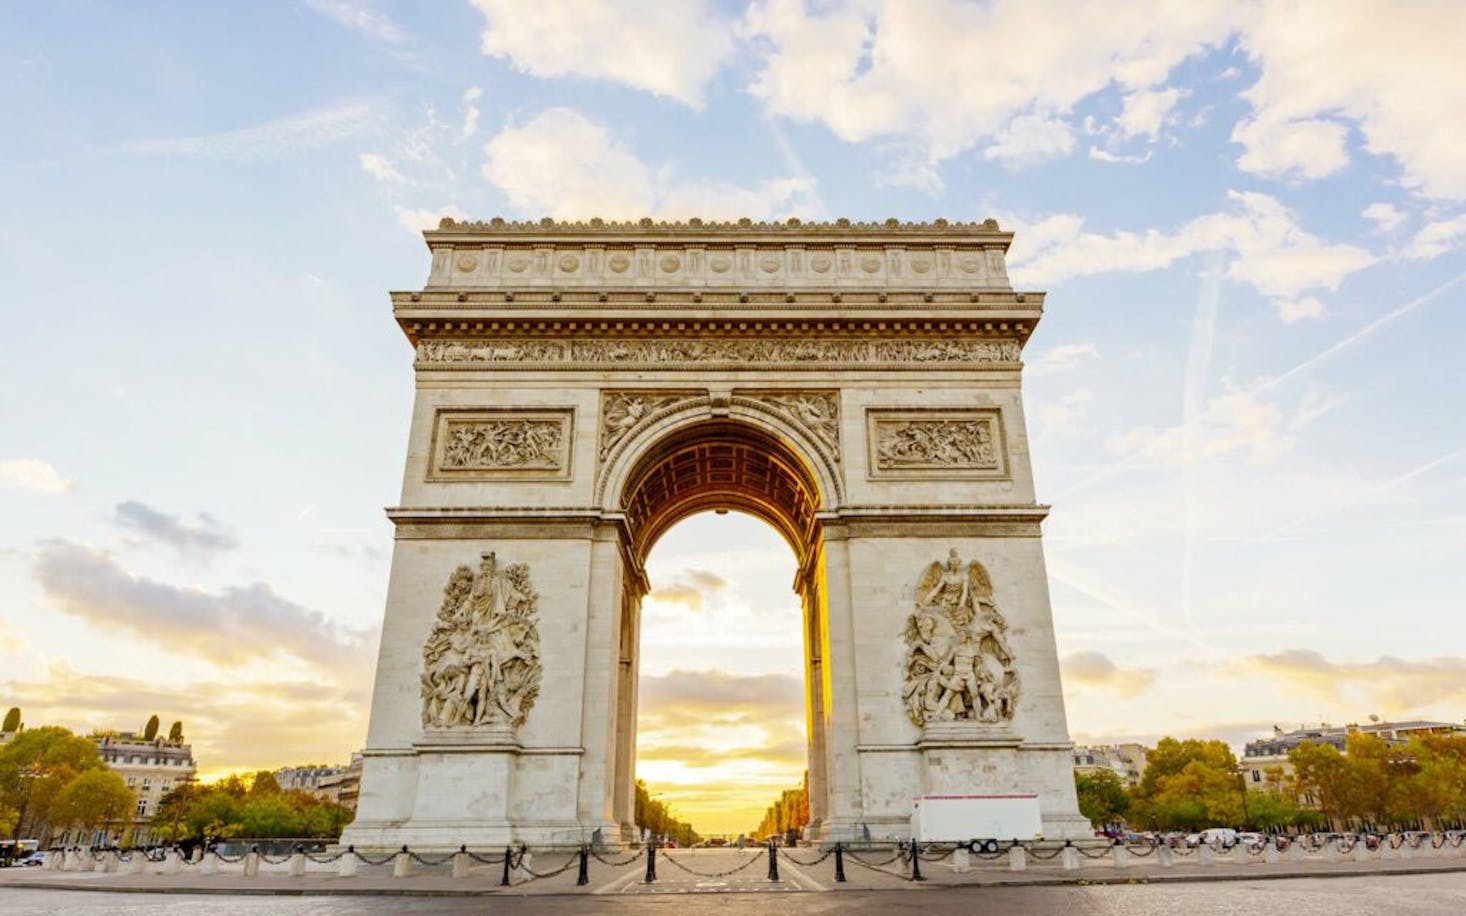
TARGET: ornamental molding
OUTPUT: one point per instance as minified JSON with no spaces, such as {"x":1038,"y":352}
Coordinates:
{"x":497,"y":225}
{"x":936,"y":443}
{"x":717,"y":352}
{"x":481,"y":665}
{"x":479,"y":443}
{"x":959,"y":668}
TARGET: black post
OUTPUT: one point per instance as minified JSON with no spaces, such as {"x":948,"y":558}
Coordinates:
{"x":508,"y":864}
{"x":773,"y":861}
{"x":839,"y":864}
{"x":916,"y":862}
{"x":582,"y":879}
{"x":651,"y":863}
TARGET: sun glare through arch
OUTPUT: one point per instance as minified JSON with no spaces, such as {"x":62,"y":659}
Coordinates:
{"x":721,"y":698}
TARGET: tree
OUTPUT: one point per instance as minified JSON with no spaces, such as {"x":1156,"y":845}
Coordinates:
{"x":1102,"y":797}
{"x":12,"y":720}
{"x":92,"y":799}
{"x":175,"y":733}
{"x":1189,"y":785}
{"x":150,"y":731}
{"x":35,"y":766}
{"x":264,"y":783}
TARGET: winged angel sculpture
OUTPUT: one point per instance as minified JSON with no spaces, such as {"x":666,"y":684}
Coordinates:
{"x":958,"y":666}
{"x":481,"y":662}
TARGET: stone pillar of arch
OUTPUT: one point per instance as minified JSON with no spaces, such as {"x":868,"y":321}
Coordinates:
{"x":581,"y":387}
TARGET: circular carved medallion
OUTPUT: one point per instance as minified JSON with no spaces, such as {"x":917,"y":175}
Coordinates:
{"x":870,"y":264}
{"x":769,"y":264}
{"x":518,"y":264}
{"x":618,"y":263}
{"x":569,"y":263}
{"x":720,"y":265}
{"x":820,"y":263}
{"x":971,"y":265}
{"x":467,"y":262}
{"x":670,"y":263}
{"x":921,"y":265}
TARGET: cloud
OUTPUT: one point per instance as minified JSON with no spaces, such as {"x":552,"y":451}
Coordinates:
{"x":1396,"y":686}
{"x":1101,"y":155}
{"x":1436,"y":238}
{"x":954,"y":75}
{"x":1029,"y":139}
{"x":418,"y":219}
{"x":1235,"y":421}
{"x":720,"y":690}
{"x":565,"y":164}
{"x":669,"y":49}
{"x":234,"y":627}
{"x":1145,"y":111}
{"x":1299,"y":310}
{"x":1387,"y":70}
{"x":361,"y":17}
{"x":1386,"y":217}
{"x":1063,"y":358}
{"x":291,"y":134}
{"x":1096,"y":670}
{"x":470,"y":112}
{"x":233,"y":725}
{"x":35,"y":475}
{"x":380,"y":168}
{"x":204,"y":535}
{"x":1265,"y":246}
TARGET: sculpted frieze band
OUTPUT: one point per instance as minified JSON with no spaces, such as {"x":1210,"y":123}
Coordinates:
{"x":698,"y":352}
{"x":958,"y":663}
{"x":481,"y":664}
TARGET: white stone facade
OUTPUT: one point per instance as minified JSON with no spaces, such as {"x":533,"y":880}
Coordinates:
{"x":581,"y":387}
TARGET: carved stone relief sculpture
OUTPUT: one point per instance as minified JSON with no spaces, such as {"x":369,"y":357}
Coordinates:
{"x":623,"y":411}
{"x":958,"y":664}
{"x":697,"y":352}
{"x":481,"y":663}
{"x":817,"y":412}
{"x":497,"y":443}
{"x":963,"y":443}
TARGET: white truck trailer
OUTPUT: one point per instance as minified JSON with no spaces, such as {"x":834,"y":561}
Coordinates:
{"x":980,"y":821}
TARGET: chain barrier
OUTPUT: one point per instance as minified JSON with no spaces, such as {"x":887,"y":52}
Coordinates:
{"x":1256,"y":849}
{"x":722,"y":874}
{"x":270,"y":861}
{"x":367,"y":860}
{"x":229,"y":859}
{"x":326,"y":858}
{"x":828,"y":852}
{"x":485,"y":860}
{"x":935,"y":858}
{"x":574,"y":861}
{"x":1102,"y":854}
{"x":1033,"y":853}
{"x":624,"y":862}
{"x":898,"y":854}
{"x":1148,"y":847}
{"x":424,"y":860}
{"x":1183,"y":850}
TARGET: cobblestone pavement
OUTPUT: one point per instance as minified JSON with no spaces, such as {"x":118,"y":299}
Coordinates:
{"x":1405,"y":895}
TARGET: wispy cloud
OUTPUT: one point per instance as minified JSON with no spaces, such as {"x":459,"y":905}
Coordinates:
{"x":1397,"y":686}
{"x":362,"y":17}
{"x":201,"y":536}
{"x":35,"y":475}
{"x":288,"y":135}
{"x":1098,"y":671}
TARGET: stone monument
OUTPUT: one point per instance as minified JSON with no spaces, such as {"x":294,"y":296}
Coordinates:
{"x":581,"y":387}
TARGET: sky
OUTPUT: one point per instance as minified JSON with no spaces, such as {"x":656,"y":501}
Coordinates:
{"x":1245,"y":397}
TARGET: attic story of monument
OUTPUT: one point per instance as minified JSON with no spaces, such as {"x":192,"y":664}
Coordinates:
{"x":581,"y":387}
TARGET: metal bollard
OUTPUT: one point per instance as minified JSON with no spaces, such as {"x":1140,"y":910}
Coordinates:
{"x":651,"y":863}
{"x":1017,"y":858}
{"x":916,"y":862}
{"x":460,"y":862}
{"x":839,"y":863}
{"x":346,"y":865}
{"x":773,"y":861}
{"x":582,"y":878}
{"x":508,"y":864}
{"x":402,"y":864}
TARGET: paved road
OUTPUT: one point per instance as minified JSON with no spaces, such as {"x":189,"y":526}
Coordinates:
{"x":1405,"y":895}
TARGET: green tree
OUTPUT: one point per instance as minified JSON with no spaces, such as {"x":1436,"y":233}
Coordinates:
{"x":175,"y":733}
{"x":264,"y":783}
{"x":1102,"y":796}
{"x":1189,"y":785}
{"x":12,"y":720}
{"x":94,"y":798}
{"x":150,"y":731}
{"x":35,"y":766}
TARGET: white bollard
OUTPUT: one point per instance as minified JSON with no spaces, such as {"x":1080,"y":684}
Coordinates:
{"x":109,"y":861}
{"x":346,"y":865}
{"x":960,"y":861}
{"x":209,"y":865}
{"x":1165,"y":857}
{"x":1206,"y":856}
{"x":137,"y":863}
{"x":87,"y":863}
{"x":1070,"y":858}
{"x":1331,"y":852}
{"x":1270,"y":853}
{"x":402,"y":864}
{"x":297,"y":864}
{"x":172,"y":862}
{"x":251,"y":864}
{"x":1121,"y":855}
{"x":1361,"y":851}
{"x":1017,"y":858}
{"x":460,"y":864}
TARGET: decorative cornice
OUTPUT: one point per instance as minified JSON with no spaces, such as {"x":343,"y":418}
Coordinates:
{"x":647,"y":225}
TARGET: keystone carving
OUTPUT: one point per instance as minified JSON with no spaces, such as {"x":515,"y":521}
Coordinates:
{"x":958,"y":665}
{"x":481,"y":663}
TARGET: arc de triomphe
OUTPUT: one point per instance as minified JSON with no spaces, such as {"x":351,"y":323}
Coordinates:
{"x":583,"y":386}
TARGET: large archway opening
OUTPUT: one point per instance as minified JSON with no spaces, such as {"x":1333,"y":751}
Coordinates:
{"x":721,"y":682}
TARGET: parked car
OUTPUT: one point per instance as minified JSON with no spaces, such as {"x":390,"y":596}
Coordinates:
{"x":35,"y":858}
